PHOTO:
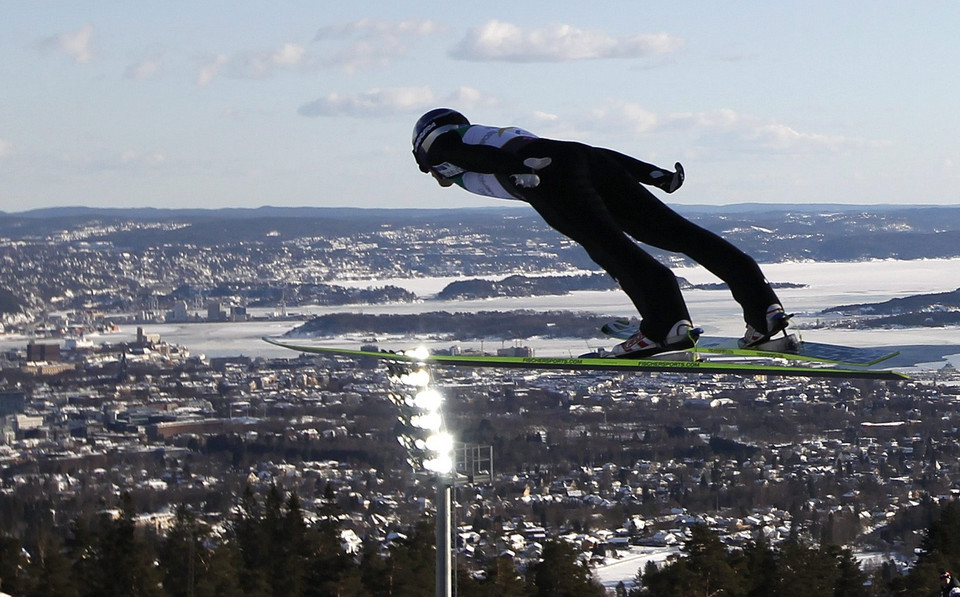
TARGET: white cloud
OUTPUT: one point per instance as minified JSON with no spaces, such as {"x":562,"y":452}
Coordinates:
{"x":375,"y":102}
{"x":364,"y":55}
{"x":748,"y":132}
{"x":142,"y":70}
{"x":721,"y":130}
{"x":376,"y":28}
{"x":468,"y":98}
{"x":290,"y":54}
{"x":358,"y":45}
{"x":210,"y":69}
{"x":497,"y":40}
{"x":612,"y":121}
{"x":77,"y":44}
{"x":260,"y":65}
{"x":622,"y":116}
{"x":372,"y":43}
{"x":545,"y":117}
{"x":6,"y":148}
{"x":131,"y":157}
{"x":396,"y":100}
{"x":255,"y":65}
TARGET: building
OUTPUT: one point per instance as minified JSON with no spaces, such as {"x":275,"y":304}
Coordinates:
{"x":215,"y":312}
{"x":43,"y":352}
{"x":12,"y":403}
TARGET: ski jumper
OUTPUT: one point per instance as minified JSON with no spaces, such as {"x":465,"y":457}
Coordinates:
{"x":596,"y":197}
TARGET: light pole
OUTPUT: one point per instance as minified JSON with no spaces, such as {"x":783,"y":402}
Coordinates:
{"x":444,"y":579}
{"x":421,"y":431}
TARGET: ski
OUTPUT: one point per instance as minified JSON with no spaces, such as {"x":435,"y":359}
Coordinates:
{"x":588,"y":363}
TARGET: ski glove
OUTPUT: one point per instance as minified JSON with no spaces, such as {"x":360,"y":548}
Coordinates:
{"x":537,"y":163}
{"x":529,"y":181}
{"x":525,"y":181}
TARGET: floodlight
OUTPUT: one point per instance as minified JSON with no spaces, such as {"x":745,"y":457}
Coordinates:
{"x":398,"y":399}
{"x":429,"y":421}
{"x":419,"y":378}
{"x":440,"y":442}
{"x":440,"y":464}
{"x":428,"y":399}
{"x":412,"y":444}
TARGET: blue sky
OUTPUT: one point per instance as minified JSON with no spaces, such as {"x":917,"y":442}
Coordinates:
{"x":244,"y":104}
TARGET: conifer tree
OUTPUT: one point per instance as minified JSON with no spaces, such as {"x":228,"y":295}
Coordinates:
{"x":413,"y":562}
{"x":126,"y":559}
{"x":503,"y":579}
{"x":82,"y":549}
{"x":758,"y":563}
{"x":222,"y":575}
{"x":375,"y":571}
{"x":940,"y":550}
{"x":851,"y":579}
{"x":290,"y":546}
{"x":50,"y":570}
{"x":708,"y":562}
{"x":705,"y":569}
{"x":806,"y":570}
{"x":183,"y":555}
{"x":248,"y":531}
{"x":560,"y":574}
{"x":407,"y":569}
{"x":331,"y":571}
{"x":12,"y":564}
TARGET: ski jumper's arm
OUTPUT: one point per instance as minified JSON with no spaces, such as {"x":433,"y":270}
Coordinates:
{"x":639,"y":170}
{"x":450,"y":148}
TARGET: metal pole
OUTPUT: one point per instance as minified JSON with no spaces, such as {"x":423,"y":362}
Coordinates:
{"x":444,"y":584}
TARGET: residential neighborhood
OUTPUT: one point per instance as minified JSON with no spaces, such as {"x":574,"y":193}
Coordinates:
{"x":625,"y":469}
{"x":617,"y":465}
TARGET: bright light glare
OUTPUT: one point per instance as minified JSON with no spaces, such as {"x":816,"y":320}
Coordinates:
{"x":420,"y":353}
{"x":428,"y":399}
{"x":440,"y":464}
{"x":440,"y":442}
{"x":419,"y":378}
{"x":428,"y":421}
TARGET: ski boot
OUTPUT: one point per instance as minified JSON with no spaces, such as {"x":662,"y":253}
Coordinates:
{"x":777,"y":321}
{"x":682,"y":336}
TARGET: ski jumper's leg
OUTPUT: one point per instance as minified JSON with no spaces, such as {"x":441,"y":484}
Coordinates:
{"x":569,"y":202}
{"x":650,"y":221}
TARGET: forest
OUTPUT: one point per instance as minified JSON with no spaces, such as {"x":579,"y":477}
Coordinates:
{"x":707,"y":567}
{"x":270,"y":549}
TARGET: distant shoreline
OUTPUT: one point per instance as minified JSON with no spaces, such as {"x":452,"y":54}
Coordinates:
{"x":299,"y":211}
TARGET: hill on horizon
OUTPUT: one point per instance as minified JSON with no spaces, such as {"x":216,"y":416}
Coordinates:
{"x":768,"y":232}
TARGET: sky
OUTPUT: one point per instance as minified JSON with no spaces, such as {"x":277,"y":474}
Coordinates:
{"x":311,"y":103}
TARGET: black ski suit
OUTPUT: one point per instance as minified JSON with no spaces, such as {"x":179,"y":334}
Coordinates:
{"x":595,"y":197}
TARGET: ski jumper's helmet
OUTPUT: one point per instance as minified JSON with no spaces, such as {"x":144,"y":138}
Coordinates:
{"x":429,"y":123}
